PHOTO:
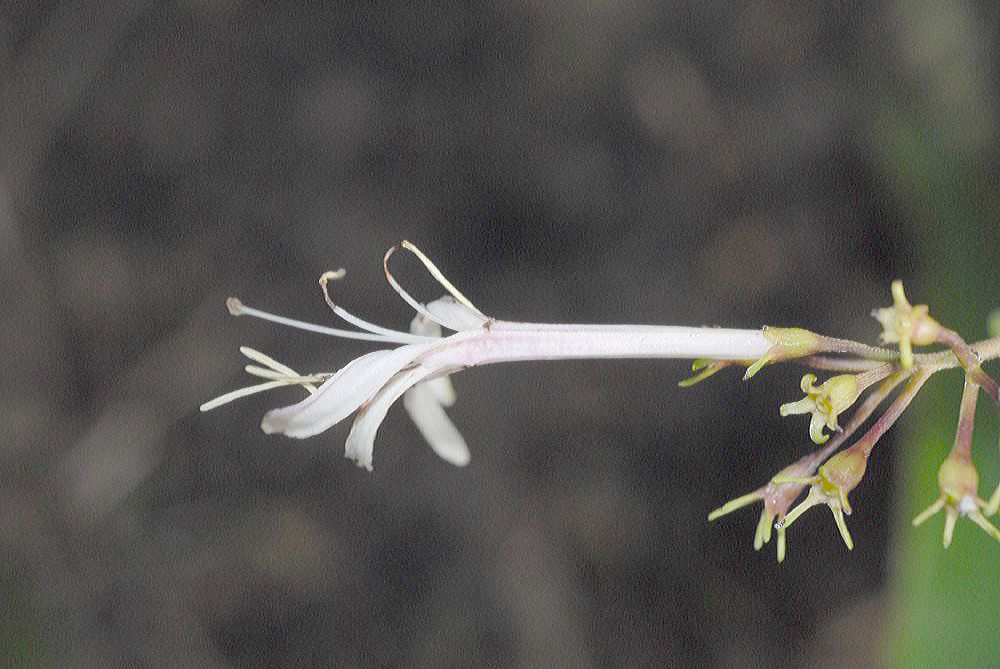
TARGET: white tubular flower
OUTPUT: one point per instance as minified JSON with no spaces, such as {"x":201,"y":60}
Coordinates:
{"x":418,"y":368}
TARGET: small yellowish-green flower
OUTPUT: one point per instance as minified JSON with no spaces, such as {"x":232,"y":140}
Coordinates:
{"x":906,"y":325}
{"x":834,"y":481}
{"x":825,"y":402}
{"x":777,"y":498}
{"x":787,"y":344}
{"x":959,"y":484}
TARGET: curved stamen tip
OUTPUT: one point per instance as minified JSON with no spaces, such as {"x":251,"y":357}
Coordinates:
{"x":325,"y":278}
{"x":235,"y":307}
{"x":332,"y":275}
{"x":389,"y":252}
{"x":434,"y":272}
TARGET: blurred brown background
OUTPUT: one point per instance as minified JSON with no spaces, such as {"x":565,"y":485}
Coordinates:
{"x":662,"y":162}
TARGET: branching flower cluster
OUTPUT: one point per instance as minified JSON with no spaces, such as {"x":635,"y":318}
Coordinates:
{"x":417,"y":365}
{"x":829,"y":475}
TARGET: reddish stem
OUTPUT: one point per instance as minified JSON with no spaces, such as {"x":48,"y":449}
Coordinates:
{"x":867,"y":442}
{"x":966,"y":420}
{"x":970,"y":362}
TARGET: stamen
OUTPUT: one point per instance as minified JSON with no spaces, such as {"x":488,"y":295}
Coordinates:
{"x":276,"y":370}
{"x":419,"y":308}
{"x":305,"y":380}
{"x":434,"y":272}
{"x":242,"y":392}
{"x":949,"y":528}
{"x":280,"y":375}
{"x":237,"y":308}
{"x":345,"y":314}
{"x":264,"y":372}
{"x":838,"y":518}
{"x":735,"y":504}
{"x":798,"y":480}
{"x":993,"y":505}
{"x":763,"y":533}
{"x":811,"y":500}
{"x":930,"y":511}
{"x":987,"y":526}
{"x":267,"y":360}
{"x":437,"y":274}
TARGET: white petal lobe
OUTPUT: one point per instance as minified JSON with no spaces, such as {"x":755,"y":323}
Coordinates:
{"x":453,"y":315}
{"x":425,"y":327}
{"x":442,"y":390}
{"x":433,"y":423}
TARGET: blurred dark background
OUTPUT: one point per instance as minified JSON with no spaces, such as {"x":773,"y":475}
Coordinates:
{"x":652,"y":162}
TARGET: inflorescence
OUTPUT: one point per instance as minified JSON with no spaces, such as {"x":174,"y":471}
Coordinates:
{"x":419,"y":365}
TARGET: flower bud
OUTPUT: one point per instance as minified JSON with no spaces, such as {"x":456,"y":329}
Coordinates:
{"x":959,"y":484}
{"x":906,"y":324}
{"x":833,"y":482}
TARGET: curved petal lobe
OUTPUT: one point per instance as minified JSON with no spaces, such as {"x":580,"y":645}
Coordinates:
{"x":342,"y":394}
{"x":361,"y":440}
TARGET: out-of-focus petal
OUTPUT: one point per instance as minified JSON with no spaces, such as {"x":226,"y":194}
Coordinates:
{"x":425,"y":327}
{"x":341,"y":394}
{"x":442,"y":389}
{"x":441,"y":386}
{"x":453,"y":315}
{"x":433,"y":423}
